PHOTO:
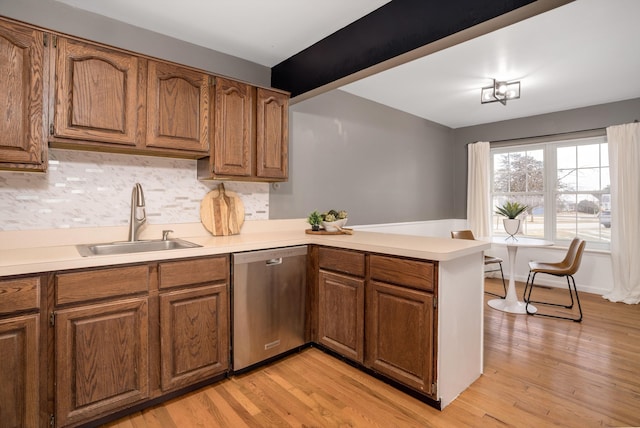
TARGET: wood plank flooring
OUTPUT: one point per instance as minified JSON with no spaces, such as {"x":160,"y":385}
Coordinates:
{"x":538,"y":372}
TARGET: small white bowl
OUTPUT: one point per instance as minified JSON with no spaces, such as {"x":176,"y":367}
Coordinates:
{"x":330,"y":226}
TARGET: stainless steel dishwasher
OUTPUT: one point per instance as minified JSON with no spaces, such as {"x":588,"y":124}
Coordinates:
{"x":268,"y":303}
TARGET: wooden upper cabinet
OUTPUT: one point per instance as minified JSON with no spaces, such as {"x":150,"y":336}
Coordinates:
{"x":250,"y":134}
{"x":272,"y":134}
{"x":97,"y":94}
{"x":22,"y":67}
{"x":232,"y":135}
{"x":177,"y":108}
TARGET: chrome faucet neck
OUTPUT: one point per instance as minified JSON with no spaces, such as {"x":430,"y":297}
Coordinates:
{"x":138,"y":215}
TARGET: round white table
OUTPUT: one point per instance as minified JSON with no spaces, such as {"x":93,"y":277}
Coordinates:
{"x":511,"y":303}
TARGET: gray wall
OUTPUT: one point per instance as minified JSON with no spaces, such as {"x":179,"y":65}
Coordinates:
{"x":378,"y":163}
{"x":66,"y":19}
{"x":593,"y":117}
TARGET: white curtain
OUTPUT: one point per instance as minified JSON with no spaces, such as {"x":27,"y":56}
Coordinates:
{"x":479,"y":189}
{"x":624,"y":168}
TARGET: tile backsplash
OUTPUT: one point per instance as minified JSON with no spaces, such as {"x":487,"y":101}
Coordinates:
{"x":91,"y":189}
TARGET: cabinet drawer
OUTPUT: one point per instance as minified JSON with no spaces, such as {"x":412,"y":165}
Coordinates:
{"x":101,"y":283}
{"x":19,"y":295}
{"x":411,"y":273}
{"x":345,"y":261}
{"x":188,"y":272}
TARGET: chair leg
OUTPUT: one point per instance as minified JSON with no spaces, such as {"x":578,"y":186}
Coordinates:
{"x":577,"y":298}
{"x":526,"y":297}
{"x":504,"y":285}
{"x":528,"y":300}
{"x":526,"y":285}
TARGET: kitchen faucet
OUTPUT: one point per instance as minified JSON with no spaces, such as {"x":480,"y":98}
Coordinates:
{"x":137,"y":206}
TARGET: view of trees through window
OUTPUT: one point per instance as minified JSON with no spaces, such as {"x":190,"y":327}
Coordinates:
{"x":565,"y":184}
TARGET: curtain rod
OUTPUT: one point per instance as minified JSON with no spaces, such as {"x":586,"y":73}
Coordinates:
{"x":586,"y":133}
{"x":595,"y":132}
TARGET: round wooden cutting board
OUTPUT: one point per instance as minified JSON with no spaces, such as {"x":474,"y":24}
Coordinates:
{"x":222,"y":212}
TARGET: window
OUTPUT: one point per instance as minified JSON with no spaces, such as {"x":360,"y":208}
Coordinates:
{"x":565,"y":184}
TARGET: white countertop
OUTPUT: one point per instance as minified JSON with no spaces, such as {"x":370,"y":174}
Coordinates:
{"x":44,"y":251}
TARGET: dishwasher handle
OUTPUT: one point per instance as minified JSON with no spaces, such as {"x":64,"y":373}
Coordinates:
{"x":268,"y":255}
{"x":274,"y":262}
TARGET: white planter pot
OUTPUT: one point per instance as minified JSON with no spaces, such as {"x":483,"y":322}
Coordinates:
{"x":511,"y":225}
{"x":330,"y":226}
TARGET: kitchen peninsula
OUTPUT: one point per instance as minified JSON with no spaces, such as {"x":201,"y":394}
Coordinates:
{"x":407,"y":278}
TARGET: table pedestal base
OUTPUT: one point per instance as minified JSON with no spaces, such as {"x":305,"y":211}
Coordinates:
{"x":511,"y":306}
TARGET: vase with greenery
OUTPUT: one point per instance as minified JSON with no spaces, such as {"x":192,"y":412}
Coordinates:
{"x":314,"y":219}
{"x":333,"y":220}
{"x":511,"y":210}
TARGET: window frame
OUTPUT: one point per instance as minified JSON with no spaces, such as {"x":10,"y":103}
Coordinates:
{"x":550,"y":192}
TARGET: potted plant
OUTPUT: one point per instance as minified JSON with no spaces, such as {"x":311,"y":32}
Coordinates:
{"x":333,"y":220}
{"x":314,"y":219}
{"x":511,"y":210}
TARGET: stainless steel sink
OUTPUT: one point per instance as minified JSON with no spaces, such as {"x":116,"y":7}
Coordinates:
{"x":125,"y":247}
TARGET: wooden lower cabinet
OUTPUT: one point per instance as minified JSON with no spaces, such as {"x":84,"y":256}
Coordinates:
{"x":125,"y":335}
{"x":194,"y":339}
{"x":102,"y":359}
{"x":341,"y":314}
{"x":400,"y":339}
{"x":19,"y":371}
{"x":379,"y":311}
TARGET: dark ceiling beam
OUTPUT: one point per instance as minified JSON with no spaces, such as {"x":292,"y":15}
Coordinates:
{"x":397,"y":28}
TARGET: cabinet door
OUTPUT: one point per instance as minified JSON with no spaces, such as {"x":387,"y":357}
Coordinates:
{"x":19,"y":379}
{"x":272,"y":134}
{"x":341,"y":314}
{"x":97,"y":96}
{"x":22,"y":137}
{"x":101,"y":359}
{"x":232,"y":135}
{"x":400,"y":334}
{"x":177,"y":108}
{"x":194,"y":335}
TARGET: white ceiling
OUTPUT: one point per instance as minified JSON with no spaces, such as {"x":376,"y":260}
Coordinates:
{"x":581,"y":54}
{"x":584,"y":53}
{"x":263,"y":31}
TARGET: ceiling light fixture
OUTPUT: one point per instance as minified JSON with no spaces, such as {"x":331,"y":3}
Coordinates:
{"x":500,"y":91}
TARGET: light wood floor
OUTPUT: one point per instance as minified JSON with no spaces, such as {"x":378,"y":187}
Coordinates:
{"x":538,"y":372}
